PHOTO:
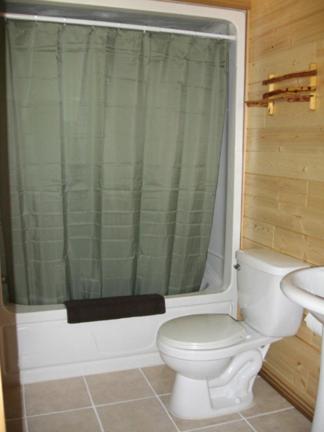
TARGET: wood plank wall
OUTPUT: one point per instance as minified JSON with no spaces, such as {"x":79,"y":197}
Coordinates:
{"x":284,"y":169}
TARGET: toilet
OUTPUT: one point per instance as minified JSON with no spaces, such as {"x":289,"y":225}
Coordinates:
{"x":217,"y":358}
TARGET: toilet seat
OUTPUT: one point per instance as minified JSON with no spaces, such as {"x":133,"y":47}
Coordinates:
{"x":202,"y":332}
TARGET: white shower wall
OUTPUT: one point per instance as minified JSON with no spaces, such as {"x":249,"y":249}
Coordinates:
{"x":213,"y":279}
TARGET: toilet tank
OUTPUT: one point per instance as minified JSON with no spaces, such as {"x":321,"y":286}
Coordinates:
{"x":262,"y":303}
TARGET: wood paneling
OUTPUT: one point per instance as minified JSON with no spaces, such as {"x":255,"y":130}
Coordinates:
{"x":293,"y":367}
{"x":284,"y":169}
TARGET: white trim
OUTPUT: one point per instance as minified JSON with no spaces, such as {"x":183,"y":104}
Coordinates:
{"x":97,"y":23}
{"x":235,"y":154}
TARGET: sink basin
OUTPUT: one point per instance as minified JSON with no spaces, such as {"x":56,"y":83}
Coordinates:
{"x":306,"y":288}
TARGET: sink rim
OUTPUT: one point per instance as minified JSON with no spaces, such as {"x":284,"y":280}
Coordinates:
{"x":300,"y":295}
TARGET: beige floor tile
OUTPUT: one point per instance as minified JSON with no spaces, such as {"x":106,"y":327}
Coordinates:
{"x":72,"y":421}
{"x":145,"y":415}
{"x":16,"y":425}
{"x":161,"y":378}
{"x":193,"y":424}
{"x":118,"y":386}
{"x":59,"y":395}
{"x":13,"y":402}
{"x":286,"y":421}
{"x":266,"y":399}
{"x":239,"y":426}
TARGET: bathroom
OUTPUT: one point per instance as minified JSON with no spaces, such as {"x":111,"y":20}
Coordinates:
{"x":282,"y":210}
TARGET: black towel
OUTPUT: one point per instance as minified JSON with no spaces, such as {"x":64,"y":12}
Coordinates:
{"x":114,"y":307}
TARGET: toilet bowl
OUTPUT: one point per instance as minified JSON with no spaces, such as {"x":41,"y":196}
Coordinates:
{"x":217,"y":358}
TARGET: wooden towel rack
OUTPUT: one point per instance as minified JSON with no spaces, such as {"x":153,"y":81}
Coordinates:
{"x":305,"y":93}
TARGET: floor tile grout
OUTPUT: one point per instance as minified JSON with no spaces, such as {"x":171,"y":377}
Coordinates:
{"x":267,"y":413}
{"x":93,"y":405}
{"x":206,"y":428}
{"x":60,"y":411}
{"x":84,"y":408}
{"x":156,"y":395}
{"x":125,"y":401}
{"x":159,"y":400}
{"x":242,"y":418}
{"x":249,"y":424}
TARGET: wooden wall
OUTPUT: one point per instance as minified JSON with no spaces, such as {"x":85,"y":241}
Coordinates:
{"x":284,"y":168}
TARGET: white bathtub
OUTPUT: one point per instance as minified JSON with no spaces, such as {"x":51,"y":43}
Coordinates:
{"x":38,"y":344}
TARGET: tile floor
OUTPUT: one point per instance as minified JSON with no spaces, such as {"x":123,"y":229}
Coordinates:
{"x":134,"y":401}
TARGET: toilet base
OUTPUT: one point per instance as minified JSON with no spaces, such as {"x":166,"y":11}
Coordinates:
{"x":229,"y":393}
{"x":200,"y":405}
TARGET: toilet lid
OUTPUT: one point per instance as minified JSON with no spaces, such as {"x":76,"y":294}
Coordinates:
{"x":208,"y":331}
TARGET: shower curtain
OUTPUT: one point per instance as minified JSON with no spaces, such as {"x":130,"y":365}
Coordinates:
{"x":114,"y":140}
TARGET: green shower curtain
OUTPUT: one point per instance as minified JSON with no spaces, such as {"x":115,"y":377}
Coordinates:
{"x":114,"y":141}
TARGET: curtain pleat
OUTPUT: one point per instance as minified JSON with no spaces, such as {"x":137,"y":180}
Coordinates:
{"x":114,"y":146}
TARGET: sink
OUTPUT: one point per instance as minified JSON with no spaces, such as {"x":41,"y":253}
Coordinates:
{"x":306,"y":288}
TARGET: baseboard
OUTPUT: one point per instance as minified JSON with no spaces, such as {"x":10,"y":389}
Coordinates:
{"x":297,"y":401}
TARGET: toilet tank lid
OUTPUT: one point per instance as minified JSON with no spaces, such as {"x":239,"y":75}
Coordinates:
{"x":269,"y":261}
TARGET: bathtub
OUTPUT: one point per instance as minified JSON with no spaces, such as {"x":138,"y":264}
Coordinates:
{"x":38,"y":344}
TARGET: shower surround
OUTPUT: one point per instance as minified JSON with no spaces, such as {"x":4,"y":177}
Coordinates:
{"x":37,"y":342}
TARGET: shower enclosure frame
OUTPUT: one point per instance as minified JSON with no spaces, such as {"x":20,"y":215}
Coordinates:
{"x":38,"y":338}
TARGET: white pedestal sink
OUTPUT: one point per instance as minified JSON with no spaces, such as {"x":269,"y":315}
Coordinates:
{"x":306,"y":288}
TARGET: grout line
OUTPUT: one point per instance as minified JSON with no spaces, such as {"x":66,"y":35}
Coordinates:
{"x":24,"y":407}
{"x":159,"y":400}
{"x":93,"y":405}
{"x":207,"y":428}
{"x":60,"y":412}
{"x":81,"y":408}
{"x":124,"y":401}
{"x":155,"y":396}
{"x":249,"y":425}
{"x":268,"y":412}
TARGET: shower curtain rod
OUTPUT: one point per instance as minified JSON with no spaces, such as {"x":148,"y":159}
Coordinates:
{"x":62,"y":20}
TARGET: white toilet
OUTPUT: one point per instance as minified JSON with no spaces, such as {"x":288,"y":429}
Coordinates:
{"x":215,"y":357}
